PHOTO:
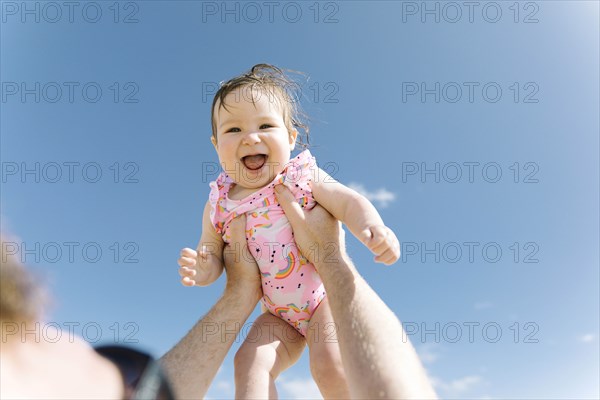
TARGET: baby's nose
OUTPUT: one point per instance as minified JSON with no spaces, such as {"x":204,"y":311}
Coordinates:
{"x":252,"y":138}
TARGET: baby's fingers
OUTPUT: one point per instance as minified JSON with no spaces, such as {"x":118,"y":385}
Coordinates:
{"x":188,"y":282}
{"x":377,"y":243}
{"x":188,"y":253}
{"x":391,"y":253}
{"x":388,"y":257}
{"x":187,"y":275}
{"x":187,"y":272}
{"x":187,"y":258}
{"x":186,"y":262}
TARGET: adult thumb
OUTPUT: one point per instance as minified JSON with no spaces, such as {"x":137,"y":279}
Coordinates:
{"x":237,"y":228}
{"x":290,"y":206}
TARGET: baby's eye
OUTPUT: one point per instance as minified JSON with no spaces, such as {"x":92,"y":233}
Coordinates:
{"x":266,"y":126}
{"x":233,"y":130}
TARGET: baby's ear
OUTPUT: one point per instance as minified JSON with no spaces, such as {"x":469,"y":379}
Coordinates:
{"x":293,"y":136}
{"x":213,"y":139}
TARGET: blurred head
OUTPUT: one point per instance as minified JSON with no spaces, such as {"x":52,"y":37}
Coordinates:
{"x":42,"y":362}
{"x":20,"y":296}
{"x":255,"y":125}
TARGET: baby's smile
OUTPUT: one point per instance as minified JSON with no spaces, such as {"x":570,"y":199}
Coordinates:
{"x":254,"y":162}
{"x":252,"y":138}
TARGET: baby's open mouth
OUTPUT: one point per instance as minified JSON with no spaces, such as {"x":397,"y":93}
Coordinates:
{"x":254,"y":162}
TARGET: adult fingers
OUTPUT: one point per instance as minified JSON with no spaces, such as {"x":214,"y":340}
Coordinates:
{"x":237,"y":246}
{"x":290,"y":206}
{"x":237,"y":228}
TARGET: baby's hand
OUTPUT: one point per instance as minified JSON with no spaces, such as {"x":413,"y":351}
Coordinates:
{"x":382,"y":241}
{"x":197,"y":267}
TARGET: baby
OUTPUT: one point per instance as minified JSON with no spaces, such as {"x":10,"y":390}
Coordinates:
{"x":255,"y":123}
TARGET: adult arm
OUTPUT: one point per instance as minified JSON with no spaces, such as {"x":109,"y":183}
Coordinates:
{"x":378,"y":358}
{"x":193,"y":363}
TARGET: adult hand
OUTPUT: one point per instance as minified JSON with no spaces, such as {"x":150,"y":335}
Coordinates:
{"x":193,"y":363}
{"x":376,"y":362}
{"x":242,"y":271}
{"x":315,"y":227}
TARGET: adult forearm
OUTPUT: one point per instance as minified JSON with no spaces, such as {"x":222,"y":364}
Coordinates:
{"x":363,"y":320}
{"x":193,"y":363}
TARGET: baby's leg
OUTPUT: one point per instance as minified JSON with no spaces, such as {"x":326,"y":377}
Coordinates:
{"x":271,"y":346}
{"x":325,"y":357}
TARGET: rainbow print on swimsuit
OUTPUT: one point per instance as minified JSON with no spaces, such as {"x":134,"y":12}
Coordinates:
{"x":288,"y":279}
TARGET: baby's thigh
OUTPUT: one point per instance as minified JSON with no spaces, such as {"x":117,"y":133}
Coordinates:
{"x":325,"y":357}
{"x":271,"y":343}
{"x":322,"y":336}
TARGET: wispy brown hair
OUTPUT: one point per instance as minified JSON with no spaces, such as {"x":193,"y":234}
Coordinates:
{"x":271,"y":81}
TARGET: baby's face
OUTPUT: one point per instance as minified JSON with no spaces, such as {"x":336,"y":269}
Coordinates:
{"x":252,"y":140}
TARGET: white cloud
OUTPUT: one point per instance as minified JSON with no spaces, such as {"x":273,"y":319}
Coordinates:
{"x":465,"y":384}
{"x":427,"y":353}
{"x":587,"y":338}
{"x":224,"y":386}
{"x":482,"y":305}
{"x":381,"y":196}
{"x":298,"y":388}
{"x":221,"y":389}
{"x":457,"y":387}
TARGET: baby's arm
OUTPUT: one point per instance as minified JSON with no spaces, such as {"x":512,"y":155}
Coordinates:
{"x":204,"y":265}
{"x":359,"y":215}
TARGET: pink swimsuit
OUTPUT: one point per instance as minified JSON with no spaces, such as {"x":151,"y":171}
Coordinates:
{"x":292,"y":288}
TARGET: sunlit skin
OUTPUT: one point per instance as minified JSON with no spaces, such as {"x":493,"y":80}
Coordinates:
{"x":246,"y":129}
{"x":254,"y":144}
{"x":254,"y":128}
{"x":386,"y":368}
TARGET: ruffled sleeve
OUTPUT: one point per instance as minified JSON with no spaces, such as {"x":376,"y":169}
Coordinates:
{"x":299,"y":171}
{"x":296,"y":175}
{"x":217,"y":197}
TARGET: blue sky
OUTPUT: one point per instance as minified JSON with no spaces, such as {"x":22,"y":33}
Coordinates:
{"x":474,"y":130}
